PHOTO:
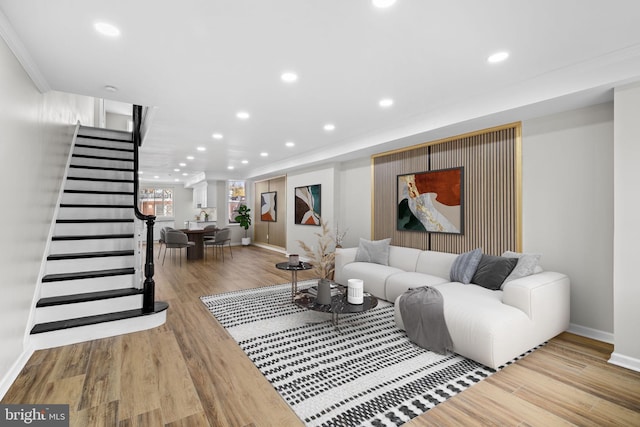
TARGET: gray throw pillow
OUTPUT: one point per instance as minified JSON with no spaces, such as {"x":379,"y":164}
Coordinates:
{"x":376,"y":251}
{"x":526,"y":266}
{"x":492,"y":271}
{"x":464,"y":266}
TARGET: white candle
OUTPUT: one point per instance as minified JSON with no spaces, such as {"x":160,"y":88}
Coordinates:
{"x":354,"y":291}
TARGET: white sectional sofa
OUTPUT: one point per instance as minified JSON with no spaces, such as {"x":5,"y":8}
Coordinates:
{"x":489,"y":326}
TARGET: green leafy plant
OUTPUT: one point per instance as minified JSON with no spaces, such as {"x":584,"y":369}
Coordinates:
{"x":243,"y":218}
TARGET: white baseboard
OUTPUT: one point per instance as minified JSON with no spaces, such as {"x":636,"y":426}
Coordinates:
{"x":595,"y":334}
{"x":15,"y":370}
{"x":625,"y":361}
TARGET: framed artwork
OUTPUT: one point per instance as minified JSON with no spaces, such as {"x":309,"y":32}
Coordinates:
{"x":431,"y":201}
{"x":269,"y":207}
{"x":307,"y":205}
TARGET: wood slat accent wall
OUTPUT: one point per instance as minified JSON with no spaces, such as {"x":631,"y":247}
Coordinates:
{"x":271,"y":233}
{"x":492,"y":190}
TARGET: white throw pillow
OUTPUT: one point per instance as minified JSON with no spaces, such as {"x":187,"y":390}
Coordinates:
{"x":526,"y":266}
{"x":376,"y":251}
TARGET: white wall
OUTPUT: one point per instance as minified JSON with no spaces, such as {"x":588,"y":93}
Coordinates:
{"x":35,"y":133}
{"x":568,"y":208}
{"x":327,"y":178}
{"x":627,"y":227}
{"x":354,"y":205}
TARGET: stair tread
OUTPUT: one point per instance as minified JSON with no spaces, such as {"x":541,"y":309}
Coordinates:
{"x":102,"y":168}
{"x":92,"y":179}
{"x":92,"y":220}
{"x":84,"y":205}
{"x":125,"y":193}
{"x":105,"y":138}
{"x":88,"y":296}
{"x":159,"y":306}
{"x":93,"y":236}
{"x":98,"y":147}
{"x":89,"y":156}
{"x":87,"y":274}
{"x":80,"y":255}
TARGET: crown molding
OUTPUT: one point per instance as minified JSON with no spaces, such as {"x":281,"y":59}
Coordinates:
{"x":20,"y":51}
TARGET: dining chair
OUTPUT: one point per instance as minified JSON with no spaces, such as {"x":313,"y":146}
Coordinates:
{"x":163,"y":238}
{"x":175,"y":239}
{"x":222,"y":237}
{"x":209,"y":232}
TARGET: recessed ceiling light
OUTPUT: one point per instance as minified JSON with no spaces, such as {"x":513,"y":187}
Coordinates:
{"x":289,"y":77}
{"x":176,"y":180}
{"x":263,"y":154}
{"x":290,"y":144}
{"x":498,"y":57}
{"x":329,"y":127}
{"x":386,"y":102}
{"x":383,"y":3}
{"x":107,"y":29}
{"x":176,"y":170}
{"x":156,"y":177}
{"x":230,"y":168}
{"x":185,"y":174}
{"x":242,"y":115}
{"x":217,"y":136}
{"x":110,"y":88}
{"x":190,"y":157}
{"x":201,"y":148}
{"x":183,"y":165}
{"x":244,"y":162}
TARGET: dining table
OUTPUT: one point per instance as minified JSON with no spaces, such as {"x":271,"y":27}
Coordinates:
{"x":197,"y":236}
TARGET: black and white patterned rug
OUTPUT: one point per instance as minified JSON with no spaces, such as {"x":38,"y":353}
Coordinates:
{"x":366,"y":374}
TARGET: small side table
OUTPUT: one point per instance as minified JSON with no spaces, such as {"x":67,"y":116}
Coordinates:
{"x":294,"y":273}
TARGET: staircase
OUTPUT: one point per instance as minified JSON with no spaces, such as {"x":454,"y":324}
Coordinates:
{"x":90,"y":288}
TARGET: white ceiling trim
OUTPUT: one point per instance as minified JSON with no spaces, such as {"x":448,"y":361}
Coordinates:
{"x":13,"y":41}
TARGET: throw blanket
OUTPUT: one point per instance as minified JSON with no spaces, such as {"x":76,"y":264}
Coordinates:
{"x":423,"y":318}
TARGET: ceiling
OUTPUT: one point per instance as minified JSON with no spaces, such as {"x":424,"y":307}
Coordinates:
{"x":198,"y":63}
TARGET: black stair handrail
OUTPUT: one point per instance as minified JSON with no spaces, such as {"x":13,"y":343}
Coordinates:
{"x":148,"y":298}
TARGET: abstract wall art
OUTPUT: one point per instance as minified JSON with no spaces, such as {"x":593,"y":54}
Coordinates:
{"x":268,"y":206}
{"x":431,"y":201}
{"x":307,"y":205}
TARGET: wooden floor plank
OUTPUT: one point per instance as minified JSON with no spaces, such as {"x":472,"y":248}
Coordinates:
{"x":190,"y":372}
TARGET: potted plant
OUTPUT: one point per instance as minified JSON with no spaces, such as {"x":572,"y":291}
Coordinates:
{"x":244,"y":219}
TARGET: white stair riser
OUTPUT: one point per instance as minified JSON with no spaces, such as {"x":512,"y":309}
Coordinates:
{"x":93,"y":245}
{"x":97,"y":199}
{"x":104,"y":163}
{"x":97,"y":331}
{"x":97,"y":151}
{"x":81,"y":286}
{"x":88,"y":264}
{"x":95,"y":213}
{"x":97,"y":173}
{"x":90,"y":308}
{"x":73,"y":184}
{"x":102,"y":143}
{"x":91,"y":228}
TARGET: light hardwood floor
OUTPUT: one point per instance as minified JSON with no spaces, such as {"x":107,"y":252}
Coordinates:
{"x":189,"y":372}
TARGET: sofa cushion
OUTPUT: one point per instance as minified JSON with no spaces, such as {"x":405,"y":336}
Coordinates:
{"x":526,"y":266}
{"x":374,"y":276}
{"x":404,"y":258}
{"x":492,"y":271}
{"x":397,"y":284}
{"x":465,"y":265}
{"x":376,"y":251}
{"x":435,"y":263}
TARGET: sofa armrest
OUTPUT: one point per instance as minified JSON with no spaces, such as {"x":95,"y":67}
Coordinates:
{"x":539,"y":295}
{"x":343,"y":257}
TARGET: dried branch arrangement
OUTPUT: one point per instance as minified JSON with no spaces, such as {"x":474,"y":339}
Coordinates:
{"x":323,"y":258}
